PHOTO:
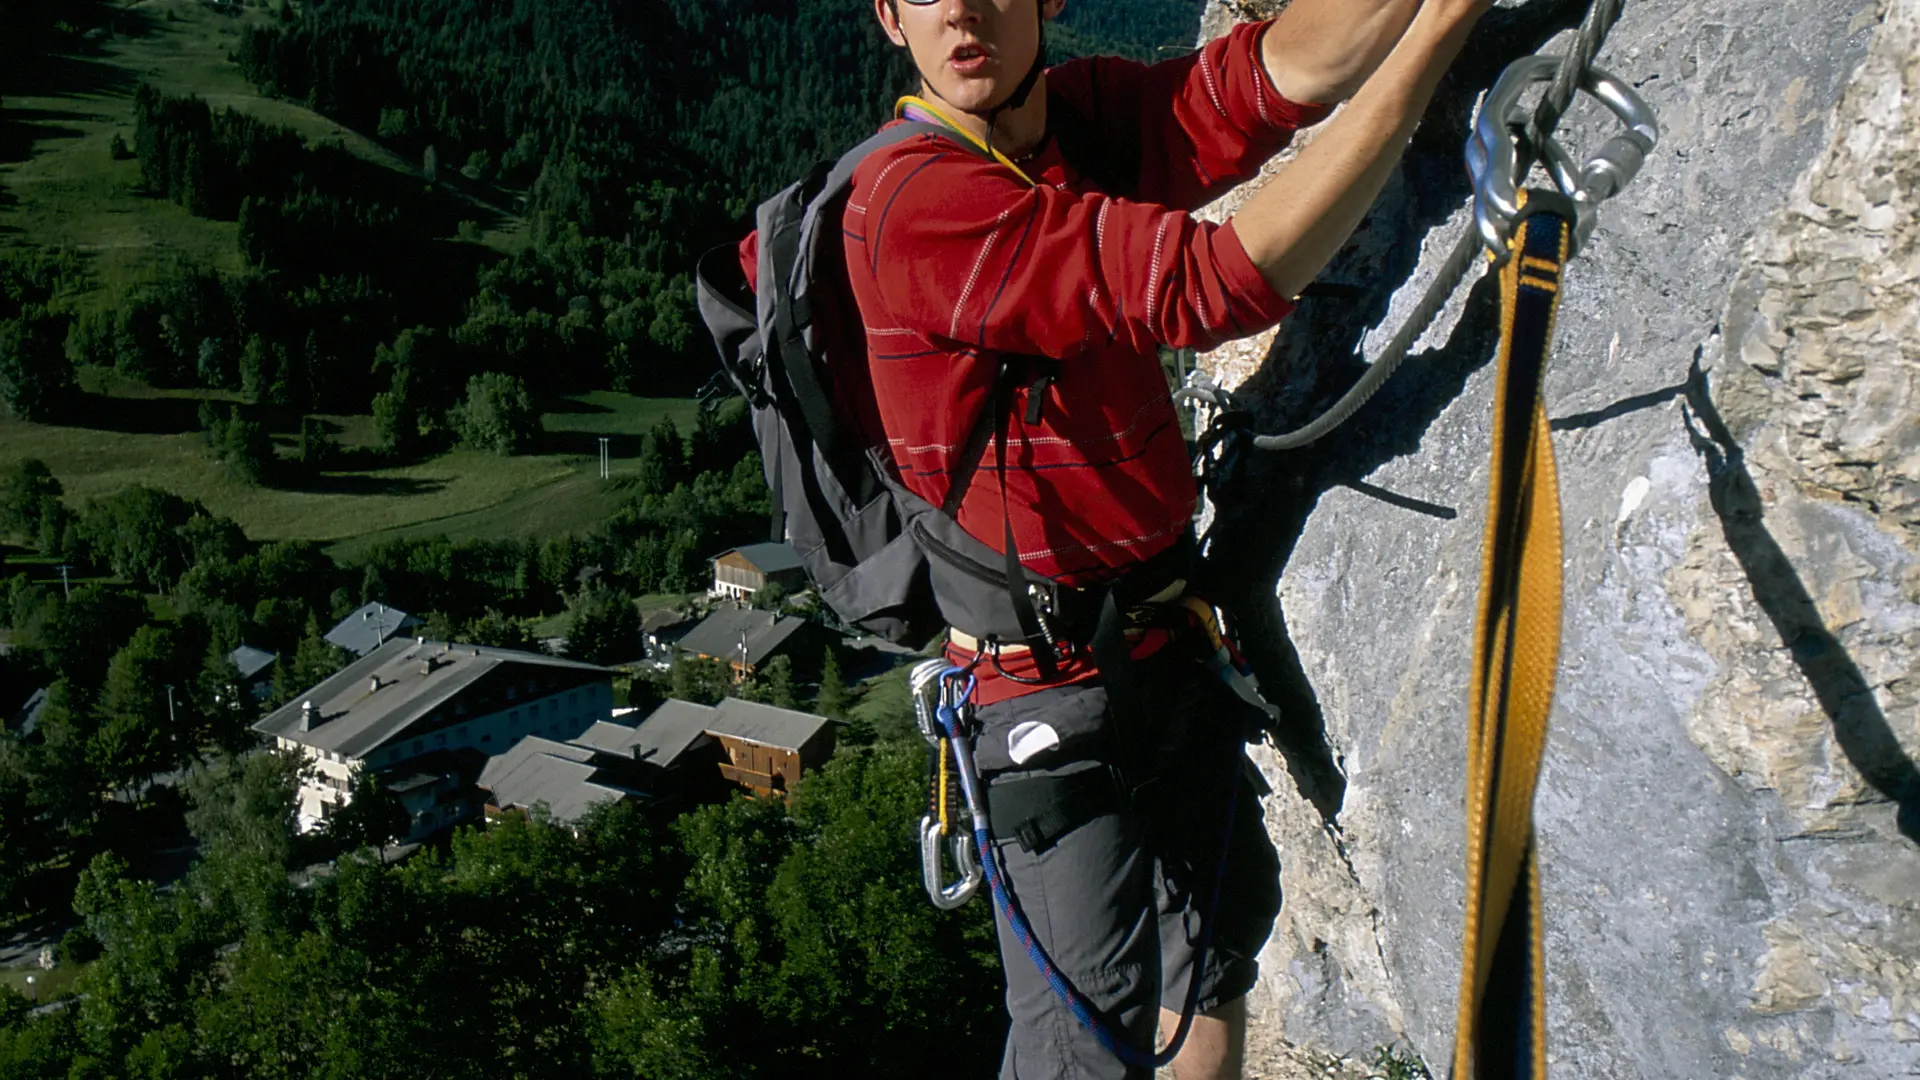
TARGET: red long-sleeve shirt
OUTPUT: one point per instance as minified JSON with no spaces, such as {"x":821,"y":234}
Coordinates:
{"x":954,"y":261}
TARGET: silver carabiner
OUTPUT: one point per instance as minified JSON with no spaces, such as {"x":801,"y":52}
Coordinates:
{"x":947,"y":895}
{"x":1493,"y":159}
{"x":933,"y":691}
{"x":924,"y":681}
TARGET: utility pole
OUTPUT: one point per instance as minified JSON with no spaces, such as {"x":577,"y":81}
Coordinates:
{"x":171,"y":722}
{"x":66,"y":590}
{"x":606,"y":461}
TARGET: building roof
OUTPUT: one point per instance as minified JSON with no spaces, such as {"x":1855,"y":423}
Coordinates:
{"x":27,"y":721}
{"x":355,"y":719}
{"x":782,"y":729}
{"x":362,"y":632}
{"x":669,"y":731}
{"x":558,"y":775}
{"x":665,"y":620}
{"x":768,"y":558}
{"x":252,"y":661}
{"x":719,"y":634}
{"x":608,"y":737}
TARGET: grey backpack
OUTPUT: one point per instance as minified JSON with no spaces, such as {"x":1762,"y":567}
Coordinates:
{"x":884,"y":560}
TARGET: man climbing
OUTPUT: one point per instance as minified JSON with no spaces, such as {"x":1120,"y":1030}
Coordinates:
{"x":1059,"y":248}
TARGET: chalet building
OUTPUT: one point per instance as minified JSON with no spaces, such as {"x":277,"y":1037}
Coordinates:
{"x":666,"y":760}
{"x":425,"y":716}
{"x":765,"y":748}
{"x":26,"y":720}
{"x":745,"y":639}
{"x":660,"y":631}
{"x":680,"y":755}
{"x":256,"y":671}
{"x":370,"y":627}
{"x":740,"y":573}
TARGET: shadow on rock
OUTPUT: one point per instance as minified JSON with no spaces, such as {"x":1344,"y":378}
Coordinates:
{"x":1318,"y":354}
{"x":1843,"y":692}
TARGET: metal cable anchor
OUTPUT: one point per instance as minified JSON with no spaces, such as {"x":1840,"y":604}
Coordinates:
{"x":1493,"y":157}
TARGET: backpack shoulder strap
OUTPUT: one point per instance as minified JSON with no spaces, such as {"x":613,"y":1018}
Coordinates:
{"x":786,"y":262}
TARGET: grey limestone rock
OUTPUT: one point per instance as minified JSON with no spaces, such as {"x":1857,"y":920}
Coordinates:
{"x":1730,"y":811}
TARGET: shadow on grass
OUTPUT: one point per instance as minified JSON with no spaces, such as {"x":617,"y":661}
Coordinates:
{"x":569,"y":407}
{"x":74,"y":76}
{"x":584,"y":443}
{"x":135,"y":416}
{"x":19,"y":138}
{"x":357,"y":484}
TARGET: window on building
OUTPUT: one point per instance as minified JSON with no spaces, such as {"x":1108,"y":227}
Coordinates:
{"x":553,"y":705}
{"x":514,"y":716}
{"x":439,"y":738}
{"x":487,"y":738}
{"x":572,"y":700}
{"x":463,"y":731}
{"x":460,"y":708}
{"x":418,"y":746}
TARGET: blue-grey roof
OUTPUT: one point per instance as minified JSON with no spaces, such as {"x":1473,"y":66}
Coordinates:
{"x":363,"y":631}
{"x":719,"y":635}
{"x":783,"y":729}
{"x":768,"y":558}
{"x":669,"y":731}
{"x":28,"y":720}
{"x":359,"y":714}
{"x":251,"y":661}
{"x":541,"y":772}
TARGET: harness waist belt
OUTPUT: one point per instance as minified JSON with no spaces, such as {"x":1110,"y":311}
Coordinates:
{"x":963,"y":640}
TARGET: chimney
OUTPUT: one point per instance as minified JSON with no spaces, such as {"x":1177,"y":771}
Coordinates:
{"x":309,"y":716}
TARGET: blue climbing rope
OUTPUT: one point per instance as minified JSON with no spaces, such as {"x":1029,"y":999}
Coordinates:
{"x":1083,"y":1010}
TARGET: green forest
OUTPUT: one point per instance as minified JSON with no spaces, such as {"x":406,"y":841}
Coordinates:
{"x":306,"y":305}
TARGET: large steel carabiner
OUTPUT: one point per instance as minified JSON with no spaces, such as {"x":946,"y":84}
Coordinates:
{"x":947,"y":895}
{"x":1493,"y":159}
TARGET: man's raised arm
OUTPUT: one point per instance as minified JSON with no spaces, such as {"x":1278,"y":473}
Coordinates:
{"x":1321,"y":51}
{"x":1293,"y":225}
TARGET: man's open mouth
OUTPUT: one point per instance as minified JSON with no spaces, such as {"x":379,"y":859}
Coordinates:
{"x":969,"y":55}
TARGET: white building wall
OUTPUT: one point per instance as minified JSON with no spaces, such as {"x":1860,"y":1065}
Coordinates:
{"x":562,"y":715}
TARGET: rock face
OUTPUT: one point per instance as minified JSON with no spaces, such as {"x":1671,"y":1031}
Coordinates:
{"x":1730,"y":813}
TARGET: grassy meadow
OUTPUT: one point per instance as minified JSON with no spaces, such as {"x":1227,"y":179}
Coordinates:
{"x":60,"y":188}
{"x":148,"y":437}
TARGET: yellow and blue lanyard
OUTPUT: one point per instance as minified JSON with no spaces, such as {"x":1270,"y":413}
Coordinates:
{"x":1502,"y":1019}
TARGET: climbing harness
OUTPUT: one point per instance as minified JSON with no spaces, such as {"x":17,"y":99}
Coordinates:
{"x":943,"y":706}
{"x":1528,"y":234}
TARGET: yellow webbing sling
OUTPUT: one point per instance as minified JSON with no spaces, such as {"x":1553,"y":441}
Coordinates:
{"x":1501,"y":1029}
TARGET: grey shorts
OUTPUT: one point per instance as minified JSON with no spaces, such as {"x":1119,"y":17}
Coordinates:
{"x":1118,"y":902}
